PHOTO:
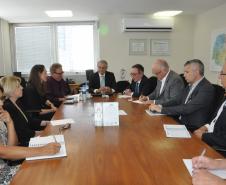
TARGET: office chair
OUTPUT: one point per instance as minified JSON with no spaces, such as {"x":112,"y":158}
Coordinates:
{"x":89,"y":73}
{"x":122,"y":86}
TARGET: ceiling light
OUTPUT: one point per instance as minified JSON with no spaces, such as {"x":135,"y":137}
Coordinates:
{"x":59,"y":13}
{"x":167,"y":13}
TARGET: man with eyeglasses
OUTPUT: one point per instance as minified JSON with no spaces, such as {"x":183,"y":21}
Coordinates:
{"x":214,"y":133}
{"x":139,"y":81}
{"x":169,"y":85}
{"x":103,"y":81}
{"x":57,"y":88}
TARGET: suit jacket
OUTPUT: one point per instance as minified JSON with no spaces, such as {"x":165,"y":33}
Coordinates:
{"x":143,"y":83}
{"x":196,"y":112}
{"x":24,"y":129}
{"x":172,"y":90}
{"x":218,"y":137}
{"x":94,"y":82}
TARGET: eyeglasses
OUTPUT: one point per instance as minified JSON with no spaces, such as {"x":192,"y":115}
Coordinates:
{"x":133,"y":74}
{"x":59,"y":73}
{"x":222,"y":73}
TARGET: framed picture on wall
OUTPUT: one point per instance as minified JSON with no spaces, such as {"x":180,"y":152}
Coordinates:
{"x":160,"y":47}
{"x":137,"y":46}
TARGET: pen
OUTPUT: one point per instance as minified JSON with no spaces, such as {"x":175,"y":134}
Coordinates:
{"x":203,"y":152}
{"x":54,"y":138}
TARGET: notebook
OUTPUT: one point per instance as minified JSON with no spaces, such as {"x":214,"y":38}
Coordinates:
{"x":61,"y":122}
{"x":41,"y":141}
{"x":219,"y":173}
{"x":177,"y":131}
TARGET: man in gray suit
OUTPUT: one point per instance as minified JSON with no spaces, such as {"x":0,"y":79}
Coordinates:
{"x":169,"y":85}
{"x":195,"y":104}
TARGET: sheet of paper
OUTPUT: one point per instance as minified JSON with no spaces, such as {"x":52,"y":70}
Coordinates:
{"x":177,"y":131}
{"x":41,"y":141}
{"x":98,"y":114}
{"x":62,"y":122}
{"x":110,"y":114}
{"x":219,"y":173}
{"x":124,"y":96}
{"x":153,"y":113}
{"x":122,"y":113}
{"x":138,"y":101}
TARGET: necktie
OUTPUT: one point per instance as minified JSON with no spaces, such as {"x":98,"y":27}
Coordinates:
{"x":137,"y":88}
{"x":102,"y":81}
{"x":189,"y":93}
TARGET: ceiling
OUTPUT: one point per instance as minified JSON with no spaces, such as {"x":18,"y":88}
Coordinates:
{"x":18,"y":11}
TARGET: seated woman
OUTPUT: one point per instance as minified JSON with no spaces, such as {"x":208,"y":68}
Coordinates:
{"x":34,"y":97}
{"x":26,"y":126}
{"x":8,"y":150}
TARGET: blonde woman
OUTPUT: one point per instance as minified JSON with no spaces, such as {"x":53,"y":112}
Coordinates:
{"x":8,"y":150}
{"x":26,"y":127}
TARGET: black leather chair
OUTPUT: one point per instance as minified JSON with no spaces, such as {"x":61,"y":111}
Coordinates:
{"x":89,"y":73}
{"x":121,"y":86}
{"x":150,"y":86}
{"x":185,"y":82}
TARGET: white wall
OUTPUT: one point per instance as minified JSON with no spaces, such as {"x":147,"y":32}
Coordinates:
{"x":206,"y":23}
{"x":5,"y":56}
{"x":114,"y":46}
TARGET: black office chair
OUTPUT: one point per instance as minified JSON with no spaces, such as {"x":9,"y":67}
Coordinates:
{"x":122,"y":86}
{"x":89,"y":73}
{"x":185,"y":82}
{"x":23,"y":82}
{"x":150,"y":86}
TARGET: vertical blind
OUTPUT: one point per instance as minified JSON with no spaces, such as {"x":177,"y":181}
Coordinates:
{"x":71,"y":45}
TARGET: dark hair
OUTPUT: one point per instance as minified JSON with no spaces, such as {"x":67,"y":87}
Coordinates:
{"x":35,"y":80}
{"x":54,"y":67}
{"x":198,"y":63}
{"x":2,"y":90}
{"x":139,"y":67}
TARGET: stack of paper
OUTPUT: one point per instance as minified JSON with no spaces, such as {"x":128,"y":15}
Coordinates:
{"x":62,"y":122}
{"x":122,"y":113}
{"x":138,"y":101}
{"x":41,"y":141}
{"x":124,"y":96}
{"x":151,"y":113}
{"x":178,"y":131}
{"x":219,"y":173}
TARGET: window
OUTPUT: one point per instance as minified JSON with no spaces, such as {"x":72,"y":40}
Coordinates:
{"x":72,"y":45}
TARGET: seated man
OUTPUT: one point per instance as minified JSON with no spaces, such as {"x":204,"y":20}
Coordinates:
{"x":214,"y":134}
{"x":139,"y":82}
{"x":169,"y":85}
{"x":57,"y":88}
{"x":194,"y":105}
{"x":102,"y":81}
{"x":201,"y":176}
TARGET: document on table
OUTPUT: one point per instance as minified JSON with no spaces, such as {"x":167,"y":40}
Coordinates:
{"x":177,"y":131}
{"x":106,"y":114}
{"x":61,"y":122}
{"x":124,"y":96}
{"x":151,"y":113}
{"x":138,"y":101}
{"x":219,"y":173}
{"x":41,"y":141}
{"x":122,"y":113}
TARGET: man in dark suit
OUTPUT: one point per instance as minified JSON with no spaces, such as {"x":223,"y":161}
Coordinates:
{"x":102,"y":81}
{"x":194,"y":106}
{"x":139,"y":81}
{"x":214,"y":133}
{"x":169,"y":85}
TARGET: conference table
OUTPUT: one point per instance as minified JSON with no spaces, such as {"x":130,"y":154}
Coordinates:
{"x":137,"y":152}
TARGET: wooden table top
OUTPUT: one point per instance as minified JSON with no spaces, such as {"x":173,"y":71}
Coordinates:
{"x":135,"y":153}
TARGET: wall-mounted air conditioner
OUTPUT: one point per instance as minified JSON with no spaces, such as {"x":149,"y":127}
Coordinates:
{"x":147,"y":24}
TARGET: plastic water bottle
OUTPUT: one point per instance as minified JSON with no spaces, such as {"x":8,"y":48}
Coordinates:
{"x":83,"y":92}
{"x":87,"y":89}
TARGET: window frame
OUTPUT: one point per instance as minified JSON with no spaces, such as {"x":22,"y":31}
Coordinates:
{"x":54,"y":41}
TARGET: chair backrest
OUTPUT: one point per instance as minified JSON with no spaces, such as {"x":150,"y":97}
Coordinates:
{"x":150,"y":86}
{"x":185,"y":82}
{"x":122,"y":85}
{"x":89,"y":73}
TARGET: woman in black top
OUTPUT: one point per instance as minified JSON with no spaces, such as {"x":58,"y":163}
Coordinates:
{"x":34,"y":98}
{"x":26,"y":127}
